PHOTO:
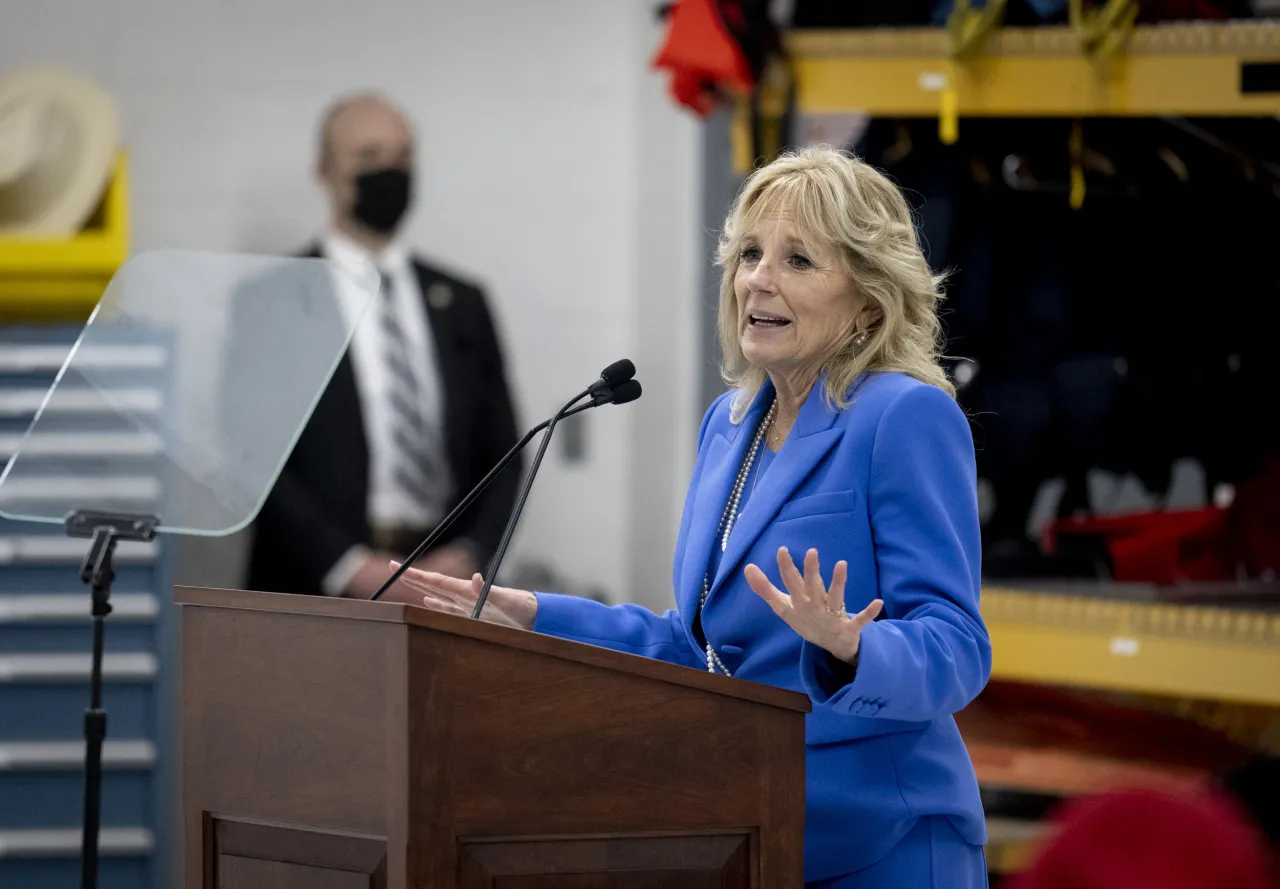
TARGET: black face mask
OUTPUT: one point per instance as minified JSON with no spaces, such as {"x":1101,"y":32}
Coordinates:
{"x":382,"y":196}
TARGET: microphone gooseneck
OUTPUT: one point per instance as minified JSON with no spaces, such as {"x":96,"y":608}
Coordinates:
{"x":496,"y":561}
{"x":624,"y":390}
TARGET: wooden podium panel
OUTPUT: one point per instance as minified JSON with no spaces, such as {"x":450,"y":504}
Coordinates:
{"x":338,"y":743}
{"x":246,"y":855}
{"x":637,"y":862}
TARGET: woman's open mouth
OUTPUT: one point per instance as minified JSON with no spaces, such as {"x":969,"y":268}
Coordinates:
{"x":766,"y":320}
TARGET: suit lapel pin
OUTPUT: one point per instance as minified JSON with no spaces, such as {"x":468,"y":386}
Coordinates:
{"x":439,"y":296}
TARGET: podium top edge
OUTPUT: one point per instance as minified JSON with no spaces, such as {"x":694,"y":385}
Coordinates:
{"x":538,"y":643}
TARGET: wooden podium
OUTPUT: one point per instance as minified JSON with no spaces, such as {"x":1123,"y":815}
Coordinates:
{"x":336,"y":744}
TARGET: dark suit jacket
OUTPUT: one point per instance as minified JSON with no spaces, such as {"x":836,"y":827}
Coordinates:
{"x":318,"y":508}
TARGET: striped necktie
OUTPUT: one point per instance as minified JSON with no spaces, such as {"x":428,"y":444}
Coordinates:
{"x":417,"y":460}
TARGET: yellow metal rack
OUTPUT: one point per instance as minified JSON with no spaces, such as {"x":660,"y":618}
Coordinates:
{"x":1183,"y":651}
{"x":1176,"y":69}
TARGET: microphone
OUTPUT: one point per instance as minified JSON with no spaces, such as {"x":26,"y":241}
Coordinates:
{"x":624,"y":393}
{"x":613,"y":375}
{"x":624,"y":390}
{"x":601,"y":393}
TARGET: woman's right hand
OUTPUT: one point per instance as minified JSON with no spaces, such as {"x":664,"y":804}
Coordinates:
{"x":456,"y":595}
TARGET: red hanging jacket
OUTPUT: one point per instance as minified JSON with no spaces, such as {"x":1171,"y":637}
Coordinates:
{"x":716,"y":47}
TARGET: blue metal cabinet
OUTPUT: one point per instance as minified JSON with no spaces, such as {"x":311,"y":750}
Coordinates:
{"x":45,"y":640}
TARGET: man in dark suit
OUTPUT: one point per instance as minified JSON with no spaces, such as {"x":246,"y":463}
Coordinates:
{"x":417,"y":411}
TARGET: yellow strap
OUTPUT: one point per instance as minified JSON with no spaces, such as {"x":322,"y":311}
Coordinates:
{"x":967,"y":32}
{"x":949,"y":114}
{"x":1077,"y":169}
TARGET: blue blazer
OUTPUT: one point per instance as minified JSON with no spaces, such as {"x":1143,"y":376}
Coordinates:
{"x":889,"y":485}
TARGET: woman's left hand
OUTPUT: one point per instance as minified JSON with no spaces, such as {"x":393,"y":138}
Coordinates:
{"x":812,"y":610}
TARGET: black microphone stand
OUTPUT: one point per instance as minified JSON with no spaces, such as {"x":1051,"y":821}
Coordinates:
{"x":475,"y":492}
{"x":496,"y":561}
{"x":610,"y":386}
{"x":105,"y":529}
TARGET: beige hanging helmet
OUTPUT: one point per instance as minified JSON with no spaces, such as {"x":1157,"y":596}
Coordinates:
{"x":59,"y":133}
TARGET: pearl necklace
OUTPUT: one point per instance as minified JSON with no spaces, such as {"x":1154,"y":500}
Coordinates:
{"x":727,"y":520}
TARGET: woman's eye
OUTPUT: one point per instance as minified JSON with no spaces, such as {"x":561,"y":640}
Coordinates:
{"x":750,"y":254}
{"x":800,"y":261}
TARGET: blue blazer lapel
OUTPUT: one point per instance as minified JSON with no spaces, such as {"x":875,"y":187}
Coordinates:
{"x":724,"y":458}
{"x":808,"y":442}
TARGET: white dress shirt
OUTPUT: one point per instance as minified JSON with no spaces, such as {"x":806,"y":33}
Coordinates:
{"x":388,"y":504}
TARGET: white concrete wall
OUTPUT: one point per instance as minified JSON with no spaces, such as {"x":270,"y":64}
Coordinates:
{"x":554,"y":169}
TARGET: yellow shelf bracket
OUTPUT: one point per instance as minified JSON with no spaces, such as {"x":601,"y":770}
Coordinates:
{"x":1103,"y":33}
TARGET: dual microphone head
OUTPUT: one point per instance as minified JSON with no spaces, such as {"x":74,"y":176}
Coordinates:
{"x":617,"y":384}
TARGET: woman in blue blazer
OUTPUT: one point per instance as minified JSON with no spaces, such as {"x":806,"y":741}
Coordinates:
{"x":840,"y":446}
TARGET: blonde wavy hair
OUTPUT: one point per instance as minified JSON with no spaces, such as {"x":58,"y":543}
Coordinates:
{"x":835,"y":199}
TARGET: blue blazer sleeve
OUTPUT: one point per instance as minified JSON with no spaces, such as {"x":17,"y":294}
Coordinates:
{"x":931,"y":654}
{"x":629,"y":628}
